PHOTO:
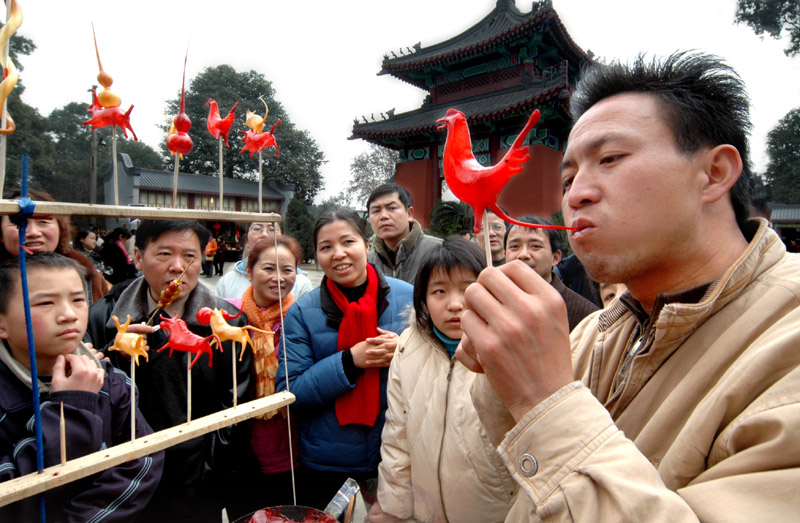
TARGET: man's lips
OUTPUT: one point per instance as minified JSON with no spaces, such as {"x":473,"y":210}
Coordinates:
{"x":581,"y":227}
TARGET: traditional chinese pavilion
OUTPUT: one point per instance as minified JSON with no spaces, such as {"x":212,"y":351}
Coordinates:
{"x":497,"y":73}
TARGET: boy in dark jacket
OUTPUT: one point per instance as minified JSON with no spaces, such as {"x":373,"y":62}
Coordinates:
{"x":95,"y":397}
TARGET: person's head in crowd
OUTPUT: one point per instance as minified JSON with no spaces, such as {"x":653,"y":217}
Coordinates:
{"x":118,"y":234}
{"x":497,"y":232}
{"x":340,"y":239}
{"x":466,"y":234}
{"x":443,"y":277}
{"x":539,"y":248}
{"x":610,"y":291}
{"x":391,"y":212}
{"x":257,"y":231}
{"x":272,"y":272}
{"x":44,"y":232}
{"x":59,"y":310}
{"x":674,"y":135}
{"x":165,"y":248}
{"x":86,"y":239}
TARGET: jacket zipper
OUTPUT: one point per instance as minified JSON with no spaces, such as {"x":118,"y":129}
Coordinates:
{"x":441,"y":442}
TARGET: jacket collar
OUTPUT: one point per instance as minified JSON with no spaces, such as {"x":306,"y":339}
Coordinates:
{"x":405,"y":245}
{"x":764,"y":250}
{"x":334,"y":315}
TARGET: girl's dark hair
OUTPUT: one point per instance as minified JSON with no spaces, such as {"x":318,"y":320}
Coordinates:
{"x":265,"y":243}
{"x":345,"y":215}
{"x":83,"y":233}
{"x":454,"y":254}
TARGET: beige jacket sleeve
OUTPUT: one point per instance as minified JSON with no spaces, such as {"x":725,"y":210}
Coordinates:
{"x":395,"y":493}
{"x":573,"y":464}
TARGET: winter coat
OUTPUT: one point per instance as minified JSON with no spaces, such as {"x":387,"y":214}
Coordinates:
{"x":705,"y":426}
{"x":436,"y":462}
{"x":410,"y":252}
{"x":162,"y":384}
{"x":93,"y":422}
{"x":317,"y":378}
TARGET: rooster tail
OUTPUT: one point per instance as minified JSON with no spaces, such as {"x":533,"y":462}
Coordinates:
{"x":499,"y":212}
{"x":532,"y":121}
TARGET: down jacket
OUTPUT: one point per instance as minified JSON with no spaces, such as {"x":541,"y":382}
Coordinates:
{"x":317,"y":378}
{"x":437,"y":462}
{"x":705,"y":426}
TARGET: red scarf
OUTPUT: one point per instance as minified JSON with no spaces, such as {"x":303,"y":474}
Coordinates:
{"x":362,"y":404}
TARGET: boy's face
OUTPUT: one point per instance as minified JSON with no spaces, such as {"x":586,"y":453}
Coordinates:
{"x":59,"y":314}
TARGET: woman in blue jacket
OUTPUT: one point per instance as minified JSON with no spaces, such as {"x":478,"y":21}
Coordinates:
{"x":340,"y":339}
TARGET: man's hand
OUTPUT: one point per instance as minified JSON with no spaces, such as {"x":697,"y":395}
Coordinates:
{"x":515,"y":330}
{"x":73,"y":372}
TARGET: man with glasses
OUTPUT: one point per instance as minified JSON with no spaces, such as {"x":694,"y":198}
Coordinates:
{"x":497,"y":235}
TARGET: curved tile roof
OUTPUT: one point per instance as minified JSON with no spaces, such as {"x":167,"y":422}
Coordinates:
{"x":504,"y":23}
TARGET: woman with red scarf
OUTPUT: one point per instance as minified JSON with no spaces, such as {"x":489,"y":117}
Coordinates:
{"x":340,"y":339}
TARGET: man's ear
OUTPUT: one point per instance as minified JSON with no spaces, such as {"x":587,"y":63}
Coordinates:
{"x":556,"y":258}
{"x":410,"y":213}
{"x":723,"y":166}
{"x":137,"y":258}
{"x":3,"y":327}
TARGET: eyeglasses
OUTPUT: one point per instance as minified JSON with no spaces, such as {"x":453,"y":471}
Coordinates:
{"x":497,"y":227}
{"x":258,"y":228}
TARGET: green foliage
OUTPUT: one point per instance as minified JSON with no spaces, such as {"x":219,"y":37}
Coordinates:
{"x":369,"y":170}
{"x":783,"y":148}
{"x":300,"y":158}
{"x":450,"y":218}
{"x":772,"y":17}
{"x":300,"y":225}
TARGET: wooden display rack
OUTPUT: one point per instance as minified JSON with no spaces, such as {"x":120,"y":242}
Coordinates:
{"x":37,"y":482}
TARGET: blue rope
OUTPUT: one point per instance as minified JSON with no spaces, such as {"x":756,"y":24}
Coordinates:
{"x":26,"y":208}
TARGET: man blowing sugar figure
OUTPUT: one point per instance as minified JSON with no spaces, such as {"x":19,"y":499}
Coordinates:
{"x":681,"y":401}
{"x":95,"y":396}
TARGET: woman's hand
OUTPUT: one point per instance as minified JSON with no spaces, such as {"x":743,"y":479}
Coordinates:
{"x":375,"y":352}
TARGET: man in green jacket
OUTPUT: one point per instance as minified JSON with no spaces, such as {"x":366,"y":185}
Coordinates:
{"x":399,"y":244}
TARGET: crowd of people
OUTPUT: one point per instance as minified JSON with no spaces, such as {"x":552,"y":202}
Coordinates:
{"x":651,"y":375}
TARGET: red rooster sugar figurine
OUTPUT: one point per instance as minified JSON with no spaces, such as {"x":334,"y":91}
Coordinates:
{"x":219,"y":127}
{"x":471,"y":182}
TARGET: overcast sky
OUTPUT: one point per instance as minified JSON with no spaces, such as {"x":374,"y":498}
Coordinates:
{"x":322,"y":56}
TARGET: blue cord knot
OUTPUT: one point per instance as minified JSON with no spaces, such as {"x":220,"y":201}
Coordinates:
{"x":26,"y":208}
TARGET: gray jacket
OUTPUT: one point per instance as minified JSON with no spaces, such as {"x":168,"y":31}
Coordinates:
{"x":409,"y":254}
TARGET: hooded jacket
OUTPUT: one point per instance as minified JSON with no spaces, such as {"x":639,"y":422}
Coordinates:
{"x":705,"y":425}
{"x":437,"y":463}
